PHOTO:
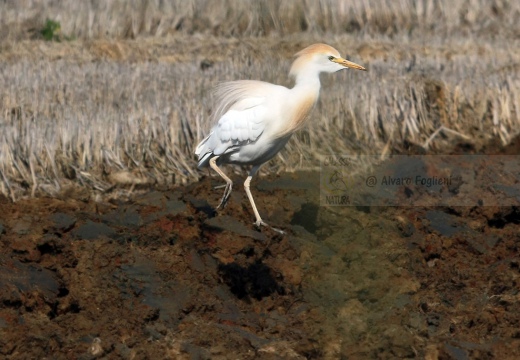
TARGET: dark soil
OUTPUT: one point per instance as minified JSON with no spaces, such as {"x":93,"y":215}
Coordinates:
{"x":163,"y":276}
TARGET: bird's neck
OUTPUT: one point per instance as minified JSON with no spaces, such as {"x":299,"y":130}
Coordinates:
{"x":306,"y":90}
{"x":303,"y":97}
{"x":307,"y":82}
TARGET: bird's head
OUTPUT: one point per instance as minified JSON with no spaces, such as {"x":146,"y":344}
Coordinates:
{"x":320,"y":58}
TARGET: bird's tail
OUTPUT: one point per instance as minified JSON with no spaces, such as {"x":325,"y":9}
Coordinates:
{"x":203,"y":153}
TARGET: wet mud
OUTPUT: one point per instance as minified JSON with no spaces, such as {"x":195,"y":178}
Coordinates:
{"x":164,"y":276}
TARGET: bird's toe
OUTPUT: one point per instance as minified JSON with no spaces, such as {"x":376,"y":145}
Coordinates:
{"x":260,"y":223}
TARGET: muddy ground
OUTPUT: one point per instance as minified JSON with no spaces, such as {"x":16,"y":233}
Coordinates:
{"x":163,"y":276}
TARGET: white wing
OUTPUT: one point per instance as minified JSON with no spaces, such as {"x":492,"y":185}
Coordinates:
{"x":234,"y":129}
{"x":240,"y":126}
{"x":242,"y":113}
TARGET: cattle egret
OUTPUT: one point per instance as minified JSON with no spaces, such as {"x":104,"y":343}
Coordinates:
{"x":257,"y":118}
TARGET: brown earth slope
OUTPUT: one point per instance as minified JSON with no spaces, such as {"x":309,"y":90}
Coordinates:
{"x":162,"y":276}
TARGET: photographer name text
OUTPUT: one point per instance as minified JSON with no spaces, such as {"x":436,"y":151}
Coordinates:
{"x":418,"y":180}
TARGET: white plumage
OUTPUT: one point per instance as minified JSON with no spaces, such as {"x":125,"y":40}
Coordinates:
{"x":256,"y":119}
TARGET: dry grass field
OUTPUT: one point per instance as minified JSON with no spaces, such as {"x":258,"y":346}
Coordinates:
{"x":122,"y":93}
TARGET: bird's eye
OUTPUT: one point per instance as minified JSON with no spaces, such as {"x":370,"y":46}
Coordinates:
{"x":331,"y":58}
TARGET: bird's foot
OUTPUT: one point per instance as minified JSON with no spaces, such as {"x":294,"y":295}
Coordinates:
{"x":225,"y":197}
{"x":260,"y":223}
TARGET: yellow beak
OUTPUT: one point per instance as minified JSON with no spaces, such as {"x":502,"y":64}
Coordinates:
{"x":349,"y":64}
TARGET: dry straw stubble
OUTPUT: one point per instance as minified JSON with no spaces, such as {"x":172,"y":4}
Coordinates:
{"x":105,"y":112}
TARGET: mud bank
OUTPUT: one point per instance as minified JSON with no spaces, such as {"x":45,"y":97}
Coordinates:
{"x":163,"y":276}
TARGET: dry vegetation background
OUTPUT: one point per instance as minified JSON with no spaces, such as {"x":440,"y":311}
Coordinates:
{"x":123,"y":93}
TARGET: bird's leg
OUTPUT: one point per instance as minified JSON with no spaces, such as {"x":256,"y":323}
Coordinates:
{"x":259,"y":222}
{"x":229,"y":183}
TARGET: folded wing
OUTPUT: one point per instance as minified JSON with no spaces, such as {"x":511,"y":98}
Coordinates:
{"x":243,"y":106}
{"x":234,"y":129}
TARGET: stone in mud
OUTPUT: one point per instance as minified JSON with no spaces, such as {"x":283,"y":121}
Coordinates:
{"x":301,"y":235}
{"x":223,"y":293}
{"x":17,"y":278}
{"x":63,"y":222}
{"x":124,"y":216}
{"x":455,"y":352}
{"x":289,"y":270}
{"x":165,"y":300}
{"x":195,"y":352}
{"x":402,"y":300}
{"x":164,"y":203}
{"x":492,"y":240}
{"x":477,"y":244}
{"x":510,"y":191}
{"x":406,"y":228}
{"x":210,"y":263}
{"x":175,"y":207}
{"x":124,"y":351}
{"x":152,"y":198}
{"x":231,"y":224}
{"x":170,"y":300}
{"x":254,"y":340}
{"x":445,"y":224}
{"x":91,"y":230}
{"x":195,"y":261}
{"x":26,"y":249}
{"x":23,"y":226}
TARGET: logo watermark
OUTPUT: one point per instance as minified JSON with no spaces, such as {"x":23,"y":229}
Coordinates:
{"x":420,"y":180}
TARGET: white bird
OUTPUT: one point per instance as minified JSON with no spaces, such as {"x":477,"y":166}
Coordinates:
{"x":258,"y":118}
